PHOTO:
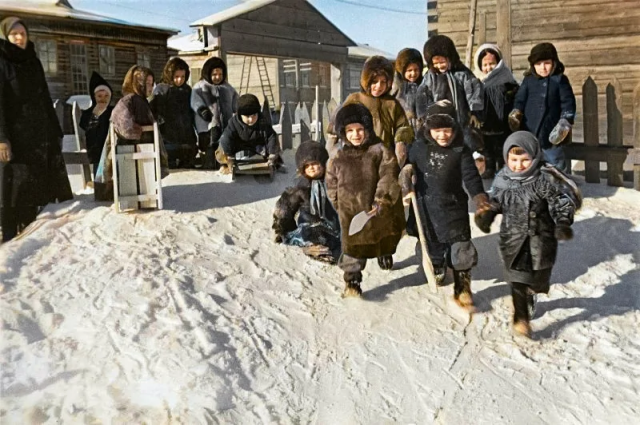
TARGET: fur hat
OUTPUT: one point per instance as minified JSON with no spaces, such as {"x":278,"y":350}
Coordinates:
{"x":210,"y":65}
{"x":173,"y":65}
{"x":310,"y":151}
{"x":351,"y":114}
{"x":440,"y":45}
{"x":541,"y":52}
{"x":374,"y":67}
{"x":408,"y":56}
{"x":248,"y":104}
{"x":440,"y":121}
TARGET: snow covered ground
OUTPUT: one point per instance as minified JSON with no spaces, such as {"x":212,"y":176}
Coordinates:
{"x":191,"y":315}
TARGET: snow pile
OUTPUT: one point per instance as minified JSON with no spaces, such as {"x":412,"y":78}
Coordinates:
{"x":192,"y":315}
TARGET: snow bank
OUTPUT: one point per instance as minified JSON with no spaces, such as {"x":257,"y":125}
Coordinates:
{"x":192,"y":315}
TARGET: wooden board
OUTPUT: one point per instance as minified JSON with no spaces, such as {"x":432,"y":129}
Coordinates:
{"x":147,"y":180}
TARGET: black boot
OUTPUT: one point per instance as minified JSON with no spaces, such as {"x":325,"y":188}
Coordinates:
{"x":440,"y":272}
{"x":521,"y":313}
{"x":385,"y":262}
{"x":462,"y":288}
{"x":352,"y":284}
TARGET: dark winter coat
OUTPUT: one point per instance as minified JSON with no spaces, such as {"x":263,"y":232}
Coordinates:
{"x":544,"y":101}
{"x":238,"y":136}
{"x":440,"y":174}
{"x":37,"y":174}
{"x":405,"y":91}
{"x":530,"y":210}
{"x":171,"y":107}
{"x":96,"y":128}
{"x":356,"y":178}
{"x":221,"y":99}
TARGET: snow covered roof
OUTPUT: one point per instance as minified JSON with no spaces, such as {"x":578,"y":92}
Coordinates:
{"x":225,"y":14}
{"x":364,"y":51}
{"x":186,"y":43}
{"x":63,"y":9}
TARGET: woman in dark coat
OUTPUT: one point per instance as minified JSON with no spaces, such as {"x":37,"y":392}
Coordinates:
{"x":32,"y":170}
{"x":171,"y":105}
{"x":95,"y":120}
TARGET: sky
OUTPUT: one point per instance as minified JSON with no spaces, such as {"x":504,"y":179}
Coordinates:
{"x":389,"y":26}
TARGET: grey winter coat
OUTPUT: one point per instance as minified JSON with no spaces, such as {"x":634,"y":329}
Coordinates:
{"x":221,"y":99}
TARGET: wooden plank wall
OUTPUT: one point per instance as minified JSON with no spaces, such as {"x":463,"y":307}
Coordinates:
{"x":234,"y":69}
{"x":597,"y":38}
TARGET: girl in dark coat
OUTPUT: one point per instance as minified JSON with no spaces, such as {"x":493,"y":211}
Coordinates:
{"x":32,"y":170}
{"x":95,"y":120}
{"x":214,"y":102}
{"x":441,"y":163}
{"x":537,"y":203}
{"x":499,"y":91}
{"x":363,"y":176}
{"x":408,"y":77}
{"x":448,"y":80}
{"x":545,"y":104}
{"x":317,"y":229}
{"x":171,"y":105}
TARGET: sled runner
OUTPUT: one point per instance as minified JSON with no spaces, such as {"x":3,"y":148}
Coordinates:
{"x":248,"y":162}
{"x":136,"y":172}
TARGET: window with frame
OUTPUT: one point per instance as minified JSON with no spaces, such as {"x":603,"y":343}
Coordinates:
{"x":78,"y":59}
{"x":107,"y":60}
{"x":305,"y":74}
{"x":289,"y":68}
{"x":354,"y":76}
{"x":47,"y":51}
{"x":143,"y":58}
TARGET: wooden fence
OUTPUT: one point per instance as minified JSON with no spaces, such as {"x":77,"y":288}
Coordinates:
{"x":614,"y":152}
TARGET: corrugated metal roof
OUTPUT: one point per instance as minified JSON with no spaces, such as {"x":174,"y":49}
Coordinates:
{"x":63,"y":9}
{"x":231,"y":12}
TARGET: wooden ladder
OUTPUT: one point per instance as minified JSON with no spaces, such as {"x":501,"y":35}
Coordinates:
{"x":265,"y":82}
{"x":136,"y":172}
{"x":245,"y":75}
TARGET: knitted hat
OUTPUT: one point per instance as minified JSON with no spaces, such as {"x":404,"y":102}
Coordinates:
{"x":543,"y":51}
{"x":440,"y":45}
{"x":310,"y":151}
{"x":248,"y":104}
{"x":352,"y":114}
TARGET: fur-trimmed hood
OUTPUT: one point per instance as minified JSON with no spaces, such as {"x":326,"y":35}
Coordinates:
{"x":441,"y":45}
{"x":408,"y":56}
{"x":173,"y":65}
{"x":481,"y":53}
{"x":373,"y":67}
{"x":209,"y":66}
{"x":310,"y":151}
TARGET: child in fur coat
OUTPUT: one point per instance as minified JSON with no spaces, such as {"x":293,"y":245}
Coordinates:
{"x":390,"y":123}
{"x":537,"y":203}
{"x":441,"y":164}
{"x":545,"y":104}
{"x":449,"y":81}
{"x":317,"y":229}
{"x":499,"y":91}
{"x":363,"y":176}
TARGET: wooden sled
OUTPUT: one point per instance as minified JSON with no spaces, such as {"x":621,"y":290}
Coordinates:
{"x":136,"y":173}
{"x":256,"y":165}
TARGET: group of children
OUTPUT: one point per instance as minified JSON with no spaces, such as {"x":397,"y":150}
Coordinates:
{"x":440,"y":125}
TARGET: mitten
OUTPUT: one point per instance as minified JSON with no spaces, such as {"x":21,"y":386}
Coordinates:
{"x":5,"y":152}
{"x":563,"y":231}
{"x":474,"y":122}
{"x":560,"y":132}
{"x":401,"y":153}
{"x":483,"y":220}
{"x":482,"y":202}
{"x":515,"y":118}
{"x":216,"y":132}
{"x":205,"y":114}
{"x":407,"y":179}
{"x":376,"y":209}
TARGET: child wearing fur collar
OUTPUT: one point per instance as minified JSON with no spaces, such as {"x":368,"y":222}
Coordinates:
{"x":537,"y":202}
{"x":440,"y":163}
{"x":389,"y":120}
{"x":500,"y":88}
{"x":317,"y":229}
{"x":363,"y":176}
{"x":545,"y":104}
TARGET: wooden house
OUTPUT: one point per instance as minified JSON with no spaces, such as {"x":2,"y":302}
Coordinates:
{"x":597,"y":38}
{"x":71,"y":44}
{"x":279,"y":50}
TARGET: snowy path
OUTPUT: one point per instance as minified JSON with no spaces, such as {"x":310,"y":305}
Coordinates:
{"x":191,"y":315}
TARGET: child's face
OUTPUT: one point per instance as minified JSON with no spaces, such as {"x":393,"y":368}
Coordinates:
{"x":543,"y":68}
{"x":313,"y":170}
{"x":102,"y":97}
{"x":489,"y":62}
{"x":249,"y":119}
{"x":442,"y":136}
{"x":379,"y":86}
{"x":149,"y":85}
{"x":518,"y":163}
{"x":440,"y":64}
{"x":179,"y":77}
{"x":412,"y":72}
{"x":217,"y":75}
{"x":355,"y":134}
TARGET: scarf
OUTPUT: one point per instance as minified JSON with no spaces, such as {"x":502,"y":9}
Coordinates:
{"x":530,"y":144}
{"x":318,"y":195}
{"x":494,"y":84}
